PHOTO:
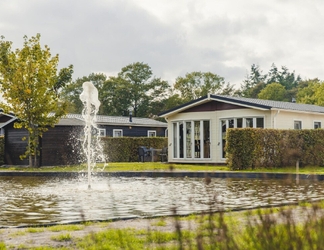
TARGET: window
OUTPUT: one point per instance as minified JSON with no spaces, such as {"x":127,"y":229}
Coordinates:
{"x":239,"y":122}
{"x":297,"y":125}
{"x":117,"y":133}
{"x":102,"y":132}
{"x":317,"y":125}
{"x":151,"y":133}
{"x":191,"y":139}
{"x":249,"y":122}
{"x":259,"y":122}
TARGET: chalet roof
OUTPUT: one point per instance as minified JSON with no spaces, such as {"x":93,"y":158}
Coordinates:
{"x":248,"y":102}
{"x":6,"y":119}
{"x":113,"y":120}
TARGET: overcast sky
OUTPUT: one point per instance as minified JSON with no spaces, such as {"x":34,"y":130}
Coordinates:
{"x":174,"y":37}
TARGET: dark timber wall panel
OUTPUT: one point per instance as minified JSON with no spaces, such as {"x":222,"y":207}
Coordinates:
{"x":60,"y":146}
{"x":212,"y":106}
{"x":15,"y":146}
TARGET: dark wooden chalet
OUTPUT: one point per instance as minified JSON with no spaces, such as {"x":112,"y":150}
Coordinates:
{"x":60,"y":145}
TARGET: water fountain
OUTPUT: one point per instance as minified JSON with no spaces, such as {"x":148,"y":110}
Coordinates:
{"x":89,"y":97}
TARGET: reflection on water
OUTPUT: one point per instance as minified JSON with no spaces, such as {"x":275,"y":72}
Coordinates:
{"x":43,"y":200}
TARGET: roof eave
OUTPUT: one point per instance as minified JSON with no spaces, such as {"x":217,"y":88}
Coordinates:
{"x":185,"y":106}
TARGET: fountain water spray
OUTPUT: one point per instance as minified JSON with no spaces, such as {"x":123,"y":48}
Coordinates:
{"x":89,"y":97}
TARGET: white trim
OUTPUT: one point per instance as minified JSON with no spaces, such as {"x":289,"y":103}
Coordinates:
{"x":301,"y":124}
{"x":318,"y":122}
{"x":102,"y":130}
{"x":151,"y":131}
{"x":118,"y":130}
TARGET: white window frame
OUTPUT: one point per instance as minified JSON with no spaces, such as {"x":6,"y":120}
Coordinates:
{"x":300,"y":124}
{"x":102,"y":132}
{"x":151,"y":131}
{"x":176,"y":142}
{"x":318,"y":122}
{"x":117,"y":130}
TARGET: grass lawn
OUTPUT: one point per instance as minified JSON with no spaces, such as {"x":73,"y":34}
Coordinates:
{"x":158,"y":166}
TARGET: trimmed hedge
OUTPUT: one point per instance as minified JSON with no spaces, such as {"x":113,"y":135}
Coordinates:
{"x":125,"y":149}
{"x":272,"y":148}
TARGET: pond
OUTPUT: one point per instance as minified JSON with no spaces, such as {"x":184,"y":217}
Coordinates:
{"x":44,"y":200}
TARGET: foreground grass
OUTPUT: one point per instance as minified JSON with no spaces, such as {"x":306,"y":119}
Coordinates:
{"x":158,"y":166}
{"x":289,"y":227}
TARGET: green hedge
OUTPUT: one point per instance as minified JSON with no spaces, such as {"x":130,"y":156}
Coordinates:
{"x":125,"y":149}
{"x":272,"y":148}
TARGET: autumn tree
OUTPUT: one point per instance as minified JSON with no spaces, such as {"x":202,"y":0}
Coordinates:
{"x":31,"y":86}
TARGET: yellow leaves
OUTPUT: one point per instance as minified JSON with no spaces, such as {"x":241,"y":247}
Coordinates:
{"x":28,"y":91}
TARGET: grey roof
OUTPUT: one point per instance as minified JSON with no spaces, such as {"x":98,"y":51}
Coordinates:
{"x":269,"y":104}
{"x":115,"y":120}
{"x":70,"y":122}
{"x":249,"y":102}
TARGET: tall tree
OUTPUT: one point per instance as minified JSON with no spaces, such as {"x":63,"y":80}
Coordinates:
{"x":198,"y":84}
{"x":133,"y":89}
{"x":142,"y":89}
{"x":253,"y":84}
{"x":31,"y":87}
{"x":283,"y":76}
{"x":256,"y":81}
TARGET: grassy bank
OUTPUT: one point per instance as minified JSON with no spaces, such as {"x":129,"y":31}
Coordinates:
{"x":292,"y":227}
{"x":158,"y":166}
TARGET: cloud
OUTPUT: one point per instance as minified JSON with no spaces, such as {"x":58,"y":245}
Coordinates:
{"x":173,"y":37}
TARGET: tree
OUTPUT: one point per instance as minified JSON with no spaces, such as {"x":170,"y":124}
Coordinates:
{"x":307,"y":91}
{"x":256,"y":81}
{"x":198,"y":84}
{"x":284,"y":77}
{"x":273,"y":91}
{"x":31,"y":87}
{"x":140,"y":89}
{"x":253,"y":83}
{"x":133,"y":89}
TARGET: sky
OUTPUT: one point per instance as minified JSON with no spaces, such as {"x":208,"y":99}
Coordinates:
{"x":174,"y":37}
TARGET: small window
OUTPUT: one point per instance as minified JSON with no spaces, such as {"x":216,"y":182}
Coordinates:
{"x":297,"y":125}
{"x":317,"y":125}
{"x":259,"y":122}
{"x":117,"y":133}
{"x":249,"y":122}
{"x":239,"y":122}
{"x":151,"y":133}
{"x":102,"y":132}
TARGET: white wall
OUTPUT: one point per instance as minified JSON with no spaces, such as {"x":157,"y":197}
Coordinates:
{"x":272,"y":119}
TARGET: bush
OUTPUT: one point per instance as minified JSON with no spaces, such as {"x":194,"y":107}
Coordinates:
{"x":272,"y":148}
{"x":125,"y":149}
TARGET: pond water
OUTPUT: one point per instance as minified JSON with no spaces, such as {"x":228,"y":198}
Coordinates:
{"x":43,"y":200}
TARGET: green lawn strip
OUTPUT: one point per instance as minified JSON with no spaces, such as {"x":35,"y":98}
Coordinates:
{"x":158,"y":166}
{"x":69,"y":227}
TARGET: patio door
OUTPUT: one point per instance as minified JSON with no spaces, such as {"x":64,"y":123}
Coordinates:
{"x":225,"y":124}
